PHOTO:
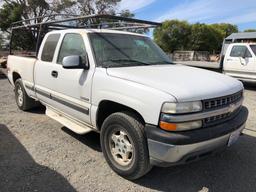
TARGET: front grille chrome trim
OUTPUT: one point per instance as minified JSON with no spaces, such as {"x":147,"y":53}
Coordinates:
{"x":216,"y":103}
{"x":202,"y":115}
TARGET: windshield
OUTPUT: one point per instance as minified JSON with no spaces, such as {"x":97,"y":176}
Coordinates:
{"x":253,"y":47}
{"x":119,"y":50}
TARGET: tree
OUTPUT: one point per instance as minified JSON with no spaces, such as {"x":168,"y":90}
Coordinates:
{"x":204,"y":38}
{"x":126,"y":13}
{"x":250,"y":30}
{"x":221,"y":31}
{"x":43,"y":10}
{"x":16,"y":10}
{"x":225,"y":29}
{"x":1,"y":41}
{"x":180,"y":35}
{"x":172,"y":35}
{"x":89,"y":7}
{"x":9,"y":13}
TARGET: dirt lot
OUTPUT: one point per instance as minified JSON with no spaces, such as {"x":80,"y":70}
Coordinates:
{"x":39,"y":154}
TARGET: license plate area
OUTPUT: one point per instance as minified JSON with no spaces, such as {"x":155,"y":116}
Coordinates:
{"x":234,"y":137}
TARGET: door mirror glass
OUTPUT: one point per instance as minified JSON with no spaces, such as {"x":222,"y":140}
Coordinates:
{"x":75,"y":62}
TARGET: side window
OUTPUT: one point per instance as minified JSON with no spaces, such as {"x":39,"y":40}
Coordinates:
{"x":72,"y":44}
{"x":247,"y":53}
{"x":240,"y":51}
{"x":49,"y":47}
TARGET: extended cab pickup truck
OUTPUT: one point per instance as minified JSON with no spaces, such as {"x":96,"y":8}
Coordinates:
{"x":147,"y":110}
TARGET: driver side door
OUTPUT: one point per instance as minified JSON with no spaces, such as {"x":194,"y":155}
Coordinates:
{"x":239,"y":60}
{"x":74,"y":85}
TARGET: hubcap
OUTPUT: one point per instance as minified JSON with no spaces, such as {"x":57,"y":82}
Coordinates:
{"x":20,"y":95}
{"x":121,"y":147}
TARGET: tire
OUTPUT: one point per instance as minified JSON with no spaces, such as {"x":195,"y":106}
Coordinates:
{"x":23,"y":101}
{"x":128,"y":156}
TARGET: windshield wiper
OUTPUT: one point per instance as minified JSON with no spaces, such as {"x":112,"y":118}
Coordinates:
{"x":126,"y":60}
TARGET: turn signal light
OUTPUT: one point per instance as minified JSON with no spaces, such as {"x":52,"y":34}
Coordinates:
{"x":185,"y":126}
{"x":168,"y":126}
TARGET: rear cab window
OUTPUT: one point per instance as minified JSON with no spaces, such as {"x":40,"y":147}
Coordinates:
{"x":50,"y":47}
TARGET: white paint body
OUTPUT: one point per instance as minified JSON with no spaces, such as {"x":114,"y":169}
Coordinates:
{"x":239,"y":67}
{"x":142,"y":88}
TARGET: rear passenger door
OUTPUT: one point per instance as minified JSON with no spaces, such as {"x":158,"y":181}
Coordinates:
{"x":45,"y":72}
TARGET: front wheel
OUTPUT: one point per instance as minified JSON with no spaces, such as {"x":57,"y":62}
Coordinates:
{"x":124,"y":145}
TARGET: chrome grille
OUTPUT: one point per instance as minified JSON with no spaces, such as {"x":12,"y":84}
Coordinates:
{"x":222,"y":101}
{"x":219,"y":118}
{"x":216,"y":118}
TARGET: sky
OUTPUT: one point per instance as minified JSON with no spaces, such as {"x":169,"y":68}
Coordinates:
{"x":239,"y":12}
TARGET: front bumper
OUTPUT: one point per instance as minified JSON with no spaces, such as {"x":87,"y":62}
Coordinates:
{"x":168,"y":148}
{"x":9,"y":77}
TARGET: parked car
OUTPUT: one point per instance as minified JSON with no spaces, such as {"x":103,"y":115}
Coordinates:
{"x":148,"y":110}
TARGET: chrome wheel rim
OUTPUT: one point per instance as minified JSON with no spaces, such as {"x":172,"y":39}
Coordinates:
{"x":19,"y":95}
{"x":121,"y":147}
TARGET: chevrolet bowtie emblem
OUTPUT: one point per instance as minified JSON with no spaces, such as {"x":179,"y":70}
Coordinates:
{"x":232,"y":108}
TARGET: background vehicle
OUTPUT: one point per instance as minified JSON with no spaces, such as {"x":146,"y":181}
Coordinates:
{"x":147,"y":110}
{"x":238,"y":57}
{"x":240,"y":61}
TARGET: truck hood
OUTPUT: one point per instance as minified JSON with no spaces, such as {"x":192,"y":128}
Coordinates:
{"x":182,"y":82}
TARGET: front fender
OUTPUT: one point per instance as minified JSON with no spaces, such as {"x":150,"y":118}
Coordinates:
{"x":147,"y":101}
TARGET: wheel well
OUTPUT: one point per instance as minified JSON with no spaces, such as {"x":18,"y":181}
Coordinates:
{"x":107,"y":108}
{"x":15,"y":76}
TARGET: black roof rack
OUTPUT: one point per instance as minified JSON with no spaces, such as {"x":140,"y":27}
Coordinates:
{"x":91,"y":21}
{"x":39,"y":26}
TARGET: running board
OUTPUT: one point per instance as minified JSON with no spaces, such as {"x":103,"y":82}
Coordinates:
{"x":74,"y":126}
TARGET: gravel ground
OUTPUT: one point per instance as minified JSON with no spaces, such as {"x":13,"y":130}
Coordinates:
{"x":39,"y":154}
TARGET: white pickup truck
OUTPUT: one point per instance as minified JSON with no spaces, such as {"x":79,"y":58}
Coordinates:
{"x":238,"y":61}
{"x":147,"y":110}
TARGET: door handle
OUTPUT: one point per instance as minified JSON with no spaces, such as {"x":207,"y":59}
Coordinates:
{"x":242,"y":61}
{"x":55,"y":74}
{"x":229,"y":59}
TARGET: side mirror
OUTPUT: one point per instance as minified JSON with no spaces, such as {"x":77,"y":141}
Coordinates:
{"x":75,"y":62}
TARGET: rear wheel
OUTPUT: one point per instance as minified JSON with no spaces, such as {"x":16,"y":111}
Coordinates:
{"x":124,"y":145}
{"x":24,"y":102}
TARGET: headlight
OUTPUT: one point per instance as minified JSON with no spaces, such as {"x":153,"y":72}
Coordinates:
{"x":168,"y":109}
{"x":186,"y":107}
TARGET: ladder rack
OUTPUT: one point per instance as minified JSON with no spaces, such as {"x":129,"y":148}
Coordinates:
{"x":39,"y":26}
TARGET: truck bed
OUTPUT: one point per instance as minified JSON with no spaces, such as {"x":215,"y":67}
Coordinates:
{"x":24,"y":67}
